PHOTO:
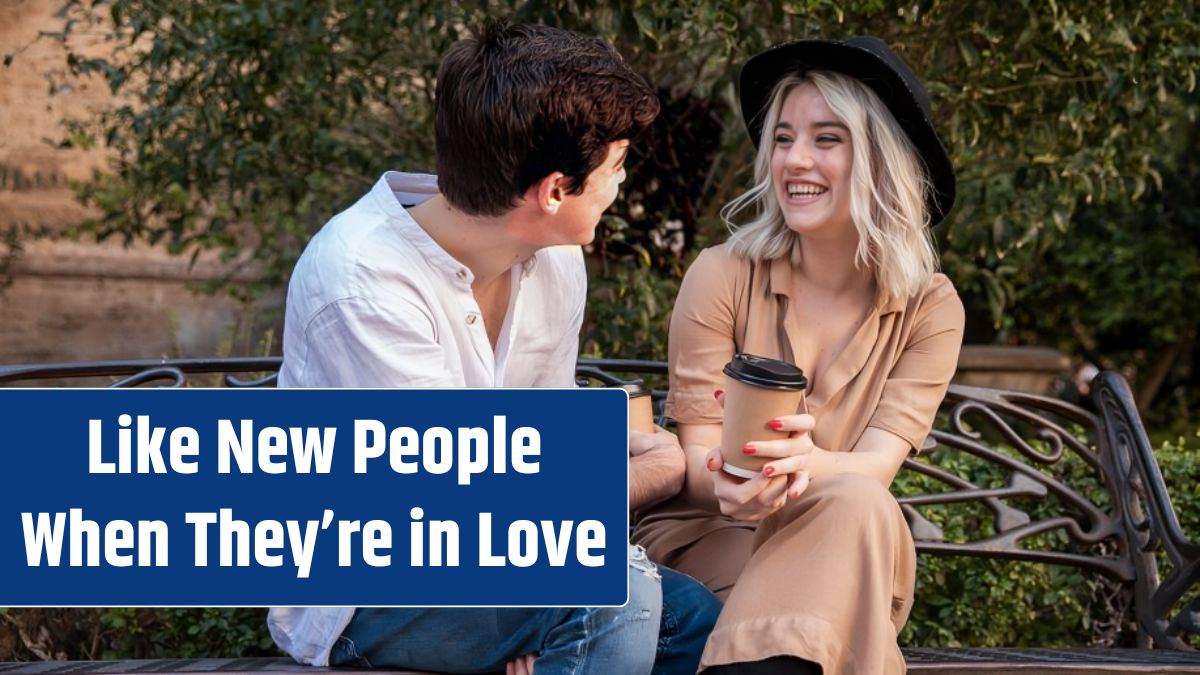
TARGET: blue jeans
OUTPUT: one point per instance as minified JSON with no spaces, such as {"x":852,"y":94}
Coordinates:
{"x":576,"y":641}
{"x":688,"y":613}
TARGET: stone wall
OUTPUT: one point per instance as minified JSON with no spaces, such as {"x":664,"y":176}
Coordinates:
{"x":76,"y":300}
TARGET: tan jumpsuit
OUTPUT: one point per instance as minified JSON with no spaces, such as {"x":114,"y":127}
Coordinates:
{"x":830,"y":577}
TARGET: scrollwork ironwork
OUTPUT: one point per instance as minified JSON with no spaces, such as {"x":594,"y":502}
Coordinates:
{"x":1028,"y":437}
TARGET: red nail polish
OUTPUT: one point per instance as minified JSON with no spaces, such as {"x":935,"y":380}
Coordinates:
{"x":775,"y":424}
{"x":767,"y":471}
{"x":709,"y":463}
{"x":717,"y":393}
{"x":748,"y":449}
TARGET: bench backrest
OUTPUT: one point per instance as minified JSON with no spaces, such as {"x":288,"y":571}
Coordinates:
{"x":1053,"y":482}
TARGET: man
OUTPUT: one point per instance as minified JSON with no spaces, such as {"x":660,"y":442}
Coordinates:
{"x":483,"y":285}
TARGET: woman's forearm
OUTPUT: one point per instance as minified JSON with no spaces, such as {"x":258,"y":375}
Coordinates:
{"x":699,"y":482}
{"x":878,"y":454}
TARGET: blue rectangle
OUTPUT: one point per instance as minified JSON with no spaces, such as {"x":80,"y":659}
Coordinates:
{"x":581,"y":477}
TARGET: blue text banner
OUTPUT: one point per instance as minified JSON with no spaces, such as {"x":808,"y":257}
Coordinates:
{"x":278,"y":497}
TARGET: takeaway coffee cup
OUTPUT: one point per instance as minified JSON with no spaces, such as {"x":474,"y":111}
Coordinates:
{"x":641,"y":407}
{"x":757,"y":390}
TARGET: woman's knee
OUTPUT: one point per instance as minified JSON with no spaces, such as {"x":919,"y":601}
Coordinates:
{"x":852,"y":493}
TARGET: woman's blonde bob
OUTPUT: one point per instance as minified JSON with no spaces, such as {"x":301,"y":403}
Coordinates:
{"x":888,"y":190}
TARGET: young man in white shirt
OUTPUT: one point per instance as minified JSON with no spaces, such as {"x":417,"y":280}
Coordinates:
{"x":475,"y":278}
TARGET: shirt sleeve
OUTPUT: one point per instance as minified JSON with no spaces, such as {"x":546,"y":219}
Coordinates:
{"x":560,"y":371}
{"x":358,"y":342}
{"x":917,"y":383}
{"x":700,"y":341}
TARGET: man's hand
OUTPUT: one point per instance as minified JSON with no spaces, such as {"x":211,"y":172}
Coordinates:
{"x":641,"y":442}
{"x":656,"y":467}
{"x":522,"y":665}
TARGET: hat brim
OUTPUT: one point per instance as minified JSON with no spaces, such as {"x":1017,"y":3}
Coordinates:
{"x":763,"y":70}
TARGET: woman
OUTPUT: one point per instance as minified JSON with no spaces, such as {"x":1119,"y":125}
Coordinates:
{"x":830,"y":266}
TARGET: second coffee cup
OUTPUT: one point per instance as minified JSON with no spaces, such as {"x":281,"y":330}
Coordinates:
{"x":757,"y":390}
{"x":641,"y":407}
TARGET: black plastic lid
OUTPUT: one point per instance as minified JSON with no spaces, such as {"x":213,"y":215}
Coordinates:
{"x":636,"y":388}
{"x":766,"y":373}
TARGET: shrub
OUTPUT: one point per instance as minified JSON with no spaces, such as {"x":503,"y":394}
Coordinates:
{"x":992,"y":603}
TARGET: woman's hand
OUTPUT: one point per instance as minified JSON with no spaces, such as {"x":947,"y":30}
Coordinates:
{"x":791,"y":454}
{"x":786,"y":477}
{"x":756,"y":498}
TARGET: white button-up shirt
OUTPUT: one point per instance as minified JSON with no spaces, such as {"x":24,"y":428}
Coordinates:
{"x":375,"y":302}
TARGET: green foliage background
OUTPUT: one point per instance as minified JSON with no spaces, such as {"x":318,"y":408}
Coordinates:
{"x":1072,"y":125}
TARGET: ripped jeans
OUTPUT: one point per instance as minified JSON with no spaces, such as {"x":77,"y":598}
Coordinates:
{"x":575,"y":641}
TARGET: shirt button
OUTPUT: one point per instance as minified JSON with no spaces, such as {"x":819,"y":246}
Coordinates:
{"x":471,"y":318}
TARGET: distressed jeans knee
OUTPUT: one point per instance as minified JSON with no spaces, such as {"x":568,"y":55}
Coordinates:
{"x":640,"y":561}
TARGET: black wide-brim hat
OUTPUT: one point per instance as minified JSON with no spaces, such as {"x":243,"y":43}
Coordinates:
{"x":870,"y":61}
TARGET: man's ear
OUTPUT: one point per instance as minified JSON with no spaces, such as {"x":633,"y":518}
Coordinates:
{"x":550,"y":192}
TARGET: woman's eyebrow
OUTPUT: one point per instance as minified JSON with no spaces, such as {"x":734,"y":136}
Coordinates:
{"x":830,"y":123}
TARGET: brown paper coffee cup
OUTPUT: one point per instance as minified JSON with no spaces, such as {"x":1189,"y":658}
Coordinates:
{"x":641,"y":407}
{"x":757,"y":390}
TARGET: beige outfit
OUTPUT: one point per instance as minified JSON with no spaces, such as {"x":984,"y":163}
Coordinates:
{"x":830,"y":577}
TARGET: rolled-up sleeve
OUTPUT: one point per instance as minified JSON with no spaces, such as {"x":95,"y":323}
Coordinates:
{"x":357,"y":342}
{"x":701,"y":339}
{"x":917,"y":382}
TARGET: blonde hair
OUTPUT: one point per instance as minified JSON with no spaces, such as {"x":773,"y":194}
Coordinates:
{"x":888,"y":190}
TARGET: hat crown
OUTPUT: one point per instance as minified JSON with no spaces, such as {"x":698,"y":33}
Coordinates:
{"x":880,"y":49}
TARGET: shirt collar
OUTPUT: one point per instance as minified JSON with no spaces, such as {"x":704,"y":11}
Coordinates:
{"x":397,"y":190}
{"x":780,"y":275}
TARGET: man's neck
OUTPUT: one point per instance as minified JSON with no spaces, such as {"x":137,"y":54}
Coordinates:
{"x":484,"y":244}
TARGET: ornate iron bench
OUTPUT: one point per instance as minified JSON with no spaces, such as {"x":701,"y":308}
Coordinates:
{"x":1115,"y":522}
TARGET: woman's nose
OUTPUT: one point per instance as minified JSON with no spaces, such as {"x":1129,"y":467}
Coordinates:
{"x":799,"y":157}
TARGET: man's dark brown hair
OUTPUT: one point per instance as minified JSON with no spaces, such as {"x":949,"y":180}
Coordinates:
{"x":520,"y":102}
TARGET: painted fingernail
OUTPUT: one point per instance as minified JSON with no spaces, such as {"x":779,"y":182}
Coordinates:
{"x":775,"y":424}
{"x":748,"y":449}
{"x":767,"y":471}
{"x":718,"y":392}
{"x":709,"y":463}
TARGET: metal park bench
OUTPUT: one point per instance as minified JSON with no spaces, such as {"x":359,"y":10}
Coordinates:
{"x":1056,"y":484}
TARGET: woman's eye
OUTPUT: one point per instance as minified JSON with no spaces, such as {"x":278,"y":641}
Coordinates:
{"x":783,"y":139}
{"x":826,"y":138}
